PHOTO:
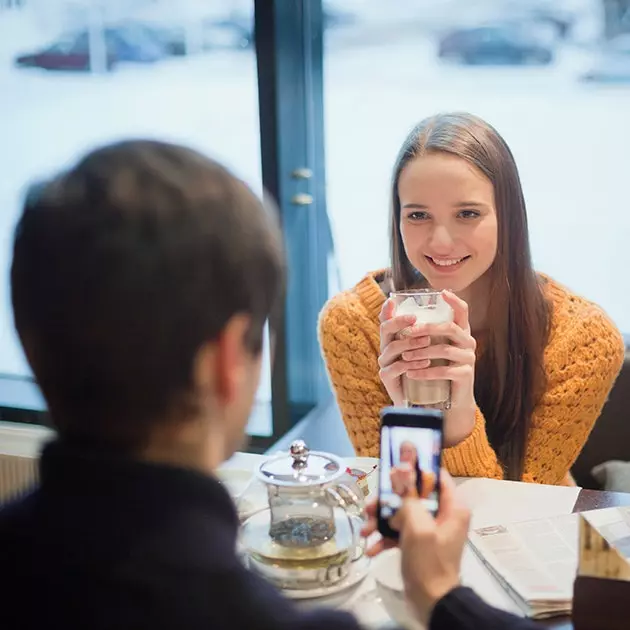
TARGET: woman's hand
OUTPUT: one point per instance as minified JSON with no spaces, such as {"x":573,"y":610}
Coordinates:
{"x":412,"y":355}
{"x":460,"y":352}
{"x":392,"y":366}
{"x":403,"y":480}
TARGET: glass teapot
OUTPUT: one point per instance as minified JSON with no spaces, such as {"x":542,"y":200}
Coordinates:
{"x":310,"y":533}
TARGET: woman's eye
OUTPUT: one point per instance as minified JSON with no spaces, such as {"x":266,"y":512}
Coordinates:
{"x":418,"y":215}
{"x":468,"y":214}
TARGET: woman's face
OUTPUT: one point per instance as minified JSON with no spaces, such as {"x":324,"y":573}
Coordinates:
{"x":448,"y":220}
{"x":408,"y":454}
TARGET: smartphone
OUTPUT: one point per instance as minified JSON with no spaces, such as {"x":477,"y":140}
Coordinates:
{"x":410,"y":461}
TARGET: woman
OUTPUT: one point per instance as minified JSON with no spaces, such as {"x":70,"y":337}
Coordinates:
{"x":408,"y":479}
{"x":531,"y":364}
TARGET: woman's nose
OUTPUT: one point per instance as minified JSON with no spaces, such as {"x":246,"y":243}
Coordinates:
{"x":441,"y":240}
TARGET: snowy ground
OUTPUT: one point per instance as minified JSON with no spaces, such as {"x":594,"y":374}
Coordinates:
{"x":570,"y":141}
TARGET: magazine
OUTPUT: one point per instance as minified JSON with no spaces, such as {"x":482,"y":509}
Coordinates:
{"x":536,"y":561}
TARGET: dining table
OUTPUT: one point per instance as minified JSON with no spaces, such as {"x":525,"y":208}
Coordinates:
{"x":492,"y":502}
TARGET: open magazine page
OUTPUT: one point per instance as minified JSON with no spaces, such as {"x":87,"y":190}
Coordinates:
{"x":535,"y":561}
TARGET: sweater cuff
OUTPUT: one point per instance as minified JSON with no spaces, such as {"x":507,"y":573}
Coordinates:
{"x":453,"y":610}
{"x":473,"y":457}
{"x":371,"y":295}
{"x":463,"y":609}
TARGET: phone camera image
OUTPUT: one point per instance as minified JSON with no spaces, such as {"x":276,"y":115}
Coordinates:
{"x":410,"y":467}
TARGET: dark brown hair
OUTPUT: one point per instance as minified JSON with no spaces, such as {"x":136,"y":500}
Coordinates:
{"x":509,"y":376}
{"x":123,"y":267}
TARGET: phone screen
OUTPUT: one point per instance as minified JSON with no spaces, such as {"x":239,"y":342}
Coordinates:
{"x":410,"y":463}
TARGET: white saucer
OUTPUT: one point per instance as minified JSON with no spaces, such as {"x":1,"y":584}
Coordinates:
{"x":358,"y":571}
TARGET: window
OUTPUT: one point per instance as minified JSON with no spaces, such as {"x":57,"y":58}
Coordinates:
{"x":168,"y":73}
{"x":75,"y":75}
{"x":551,"y":78}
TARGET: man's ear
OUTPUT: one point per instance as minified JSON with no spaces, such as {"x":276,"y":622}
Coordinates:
{"x":220,"y":365}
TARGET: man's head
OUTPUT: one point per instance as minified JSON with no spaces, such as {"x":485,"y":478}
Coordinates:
{"x":141,"y":282}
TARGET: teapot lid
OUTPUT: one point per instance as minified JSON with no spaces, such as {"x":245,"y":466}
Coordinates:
{"x":300,"y":467}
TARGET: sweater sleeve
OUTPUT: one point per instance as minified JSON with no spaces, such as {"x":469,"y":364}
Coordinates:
{"x":350,"y":342}
{"x":586,"y":364}
{"x":583,"y":362}
{"x":473,"y":457}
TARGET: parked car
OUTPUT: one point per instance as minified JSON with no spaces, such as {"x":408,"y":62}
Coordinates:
{"x":179,"y":39}
{"x":72,"y":52}
{"x":612,"y":65}
{"x":229,"y":33}
{"x":495,"y":45}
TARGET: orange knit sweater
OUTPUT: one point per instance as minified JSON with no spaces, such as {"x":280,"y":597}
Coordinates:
{"x":582,"y":359}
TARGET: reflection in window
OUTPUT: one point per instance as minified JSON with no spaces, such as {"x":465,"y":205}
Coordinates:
{"x":75,"y":74}
{"x":553,"y":76}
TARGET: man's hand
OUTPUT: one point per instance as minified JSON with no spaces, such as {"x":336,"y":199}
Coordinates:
{"x":431,"y":549}
{"x":371,"y":527}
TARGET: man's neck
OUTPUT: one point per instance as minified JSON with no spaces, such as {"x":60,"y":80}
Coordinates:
{"x":189,"y":446}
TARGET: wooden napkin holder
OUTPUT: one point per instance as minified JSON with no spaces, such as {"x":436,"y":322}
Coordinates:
{"x":601,"y":595}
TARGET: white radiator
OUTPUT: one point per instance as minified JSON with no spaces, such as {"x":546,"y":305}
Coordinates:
{"x":20,"y":445}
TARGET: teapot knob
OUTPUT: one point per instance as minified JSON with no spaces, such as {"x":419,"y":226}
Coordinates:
{"x":299,"y":451}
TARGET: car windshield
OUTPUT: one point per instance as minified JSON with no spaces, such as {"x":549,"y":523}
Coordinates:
{"x":64,"y":46}
{"x":494,"y":35}
{"x":506,"y":33}
{"x":130,"y":33}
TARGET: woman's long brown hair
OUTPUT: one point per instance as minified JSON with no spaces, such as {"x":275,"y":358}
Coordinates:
{"x":509,"y":376}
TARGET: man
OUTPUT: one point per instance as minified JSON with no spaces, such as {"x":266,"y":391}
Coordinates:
{"x":141,"y":281}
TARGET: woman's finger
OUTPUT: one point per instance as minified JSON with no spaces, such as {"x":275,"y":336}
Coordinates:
{"x":457,"y":335}
{"x":460,"y":309}
{"x":393,"y":327}
{"x":456,"y":373}
{"x":387,"y":311}
{"x":396,"y":348}
{"x":441,"y":351}
{"x":398,"y":368}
